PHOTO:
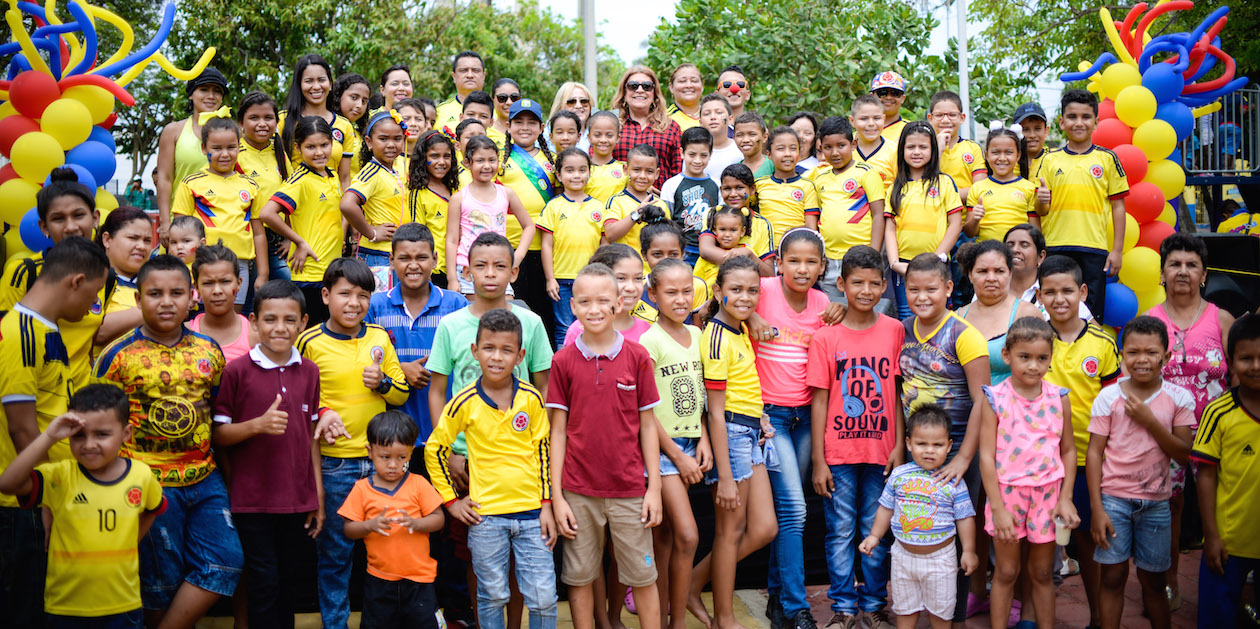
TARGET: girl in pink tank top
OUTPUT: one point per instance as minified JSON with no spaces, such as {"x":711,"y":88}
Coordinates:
{"x":482,"y":207}
{"x":215,"y":272}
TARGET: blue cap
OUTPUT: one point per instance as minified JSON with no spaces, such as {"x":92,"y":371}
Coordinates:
{"x":525,"y":105}
{"x":1029,"y":109}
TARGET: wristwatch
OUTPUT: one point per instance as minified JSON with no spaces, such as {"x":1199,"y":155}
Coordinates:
{"x":636,"y":215}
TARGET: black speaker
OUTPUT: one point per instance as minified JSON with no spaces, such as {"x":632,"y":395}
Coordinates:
{"x":1233,"y":264}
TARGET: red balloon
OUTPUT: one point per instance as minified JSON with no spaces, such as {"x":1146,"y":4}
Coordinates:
{"x":1144,"y":202}
{"x":1107,"y":109}
{"x":32,"y":91}
{"x":12,"y":128}
{"x":1154,"y":233}
{"x":1132,"y":160}
{"x":108,"y":122}
{"x":1112,"y":132}
{"x":7,"y":173}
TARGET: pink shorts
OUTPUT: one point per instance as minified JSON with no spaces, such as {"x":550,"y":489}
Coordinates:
{"x":1031,"y":507}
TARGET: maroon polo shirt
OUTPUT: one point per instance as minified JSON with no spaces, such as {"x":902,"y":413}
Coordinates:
{"x":270,"y":473}
{"x":603,"y":395}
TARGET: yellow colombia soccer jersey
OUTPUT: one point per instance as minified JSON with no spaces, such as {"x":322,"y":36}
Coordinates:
{"x":93,"y":561}
{"x":429,"y":209}
{"x":882,"y":160}
{"x":508,"y":449}
{"x":1006,"y":204}
{"x":1034,"y":165}
{"x":260,"y":165}
{"x":342,"y":134}
{"x":449,"y":113}
{"x":762,"y":239}
{"x":37,"y":370}
{"x":728,"y":365}
{"x":963,"y":162}
{"x":575,"y":228}
{"x":341,"y":360}
{"x":892,"y":130}
{"x":1082,"y":186}
{"x":922,"y":217}
{"x":1229,"y":438}
{"x":845,"y":199}
{"x":123,"y":297}
{"x":785,"y":202}
{"x":224,"y":205}
{"x":1082,"y":366}
{"x":377,"y":188}
{"x":353,"y":145}
{"x":532,"y":179}
{"x":312,"y":202}
{"x":647,"y":311}
{"x":606,"y":180}
{"x":684,"y":121}
{"x":620,"y":205}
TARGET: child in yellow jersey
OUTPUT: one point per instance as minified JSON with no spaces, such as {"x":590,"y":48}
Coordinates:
{"x":373,"y":204}
{"x":743,"y":504}
{"x":528,"y":168}
{"x":737,"y":191}
{"x":226,"y":201}
{"x":608,"y":176}
{"x":1005,"y":198}
{"x":566,"y":130}
{"x":102,"y":505}
{"x":432,"y":180}
{"x":349,"y":98}
{"x":851,"y":200}
{"x":923,"y":205}
{"x":309,"y":200}
{"x":786,"y":198}
{"x":1032,"y":120}
{"x":960,"y":159}
{"x":264,"y":162}
{"x":728,"y":226}
{"x":507,"y":433}
{"x":866,"y":115}
{"x":664,"y":241}
{"x":572,"y":226}
{"x":635,"y":206}
{"x":359,"y":374}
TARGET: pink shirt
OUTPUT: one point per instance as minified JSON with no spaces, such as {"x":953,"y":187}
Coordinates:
{"x":1198,"y":362}
{"x":860,"y":369}
{"x":782,"y":363}
{"x":477,"y":218}
{"x":633,"y":333}
{"x":1028,"y":434}
{"x":237,"y":348}
{"x":1134,"y":466}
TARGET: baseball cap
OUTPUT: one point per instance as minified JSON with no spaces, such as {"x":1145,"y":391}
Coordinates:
{"x":209,"y":76}
{"x":525,"y":105}
{"x":1029,"y":109}
{"x":890,"y":79}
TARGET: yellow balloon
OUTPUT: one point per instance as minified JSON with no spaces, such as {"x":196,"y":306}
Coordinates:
{"x":13,"y":246}
{"x":1168,"y":216}
{"x":1136,"y":104}
{"x":1130,"y":231}
{"x":99,"y":102}
{"x":68,"y":121}
{"x":1118,"y":76}
{"x":1151,"y":298}
{"x":1157,"y":139}
{"x":17,"y":197}
{"x":1139,"y":269}
{"x":1168,"y":175}
{"x":35,"y":155}
{"x":105,"y":202}
{"x":6,"y":110}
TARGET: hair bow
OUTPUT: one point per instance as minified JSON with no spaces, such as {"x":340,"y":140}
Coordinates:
{"x":207,"y":116}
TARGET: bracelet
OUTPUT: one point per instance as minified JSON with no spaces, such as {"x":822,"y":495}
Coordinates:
{"x":373,"y":238}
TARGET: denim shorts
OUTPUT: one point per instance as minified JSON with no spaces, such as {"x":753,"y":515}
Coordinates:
{"x":687,"y":445}
{"x":194,"y":540}
{"x":741,"y":442}
{"x":1142,"y":532}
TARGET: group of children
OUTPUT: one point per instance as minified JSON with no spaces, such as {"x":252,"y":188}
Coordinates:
{"x":731,"y":329}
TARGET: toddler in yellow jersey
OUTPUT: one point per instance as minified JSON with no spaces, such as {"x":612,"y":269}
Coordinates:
{"x":866,"y":115}
{"x":508,"y":506}
{"x":432,"y":179}
{"x":102,"y":505}
{"x":738,"y":190}
{"x":608,"y":176}
{"x":635,"y":207}
{"x":572,"y":227}
{"x":961,"y":159}
{"x":373,"y":204}
{"x":1005,"y":198}
{"x":728,"y":225}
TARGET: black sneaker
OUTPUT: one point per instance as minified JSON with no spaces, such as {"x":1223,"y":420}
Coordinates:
{"x":803,"y":620}
{"x":774,"y":612}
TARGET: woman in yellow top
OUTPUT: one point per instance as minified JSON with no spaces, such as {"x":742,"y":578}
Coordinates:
{"x":373,"y":204}
{"x":349,"y":99}
{"x":923,"y":211}
{"x":308,"y":96}
{"x":268,"y":167}
{"x":431,"y":180}
{"x":504,"y":92}
{"x":528,"y":168}
{"x":687,"y":87}
{"x":179,"y":147}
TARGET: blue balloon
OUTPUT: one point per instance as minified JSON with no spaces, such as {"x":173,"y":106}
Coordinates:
{"x":1177,"y":115}
{"x":1163,"y":80}
{"x":31,"y":235}
{"x":97,"y":158}
{"x":1176,"y":158}
{"x":103,"y":135}
{"x":85,"y":177}
{"x":1121,"y":305}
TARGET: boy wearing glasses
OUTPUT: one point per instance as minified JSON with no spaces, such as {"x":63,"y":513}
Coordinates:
{"x":963,"y":160}
{"x":890,"y":89}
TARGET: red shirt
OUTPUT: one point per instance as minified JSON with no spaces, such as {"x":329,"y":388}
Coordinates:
{"x":603,"y":396}
{"x":668,"y":145}
{"x":270,"y":473}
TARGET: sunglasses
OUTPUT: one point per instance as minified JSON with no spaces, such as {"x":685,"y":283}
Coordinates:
{"x":728,"y":84}
{"x":503,"y":98}
{"x":887,"y":91}
{"x":634,"y":86}
{"x":586,"y":101}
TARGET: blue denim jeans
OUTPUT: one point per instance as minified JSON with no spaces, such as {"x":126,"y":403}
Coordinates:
{"x":333,"y":548}
{"x":494,"y":543}
{"x":899,"y":290}
{"x":850,"y":512}
{"x":787,"y":551}
{"x":373,"y":257}
{"x":563,"y":310}
{"x":1221,"y":596}
{"x":194,"y":540}
{"x":278,"y":268}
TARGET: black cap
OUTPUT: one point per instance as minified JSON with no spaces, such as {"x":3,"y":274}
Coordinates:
{"x":1029,"y":109}
{"x":209,"y":76}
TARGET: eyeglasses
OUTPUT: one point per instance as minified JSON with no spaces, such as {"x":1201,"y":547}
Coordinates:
{"x":948,"y":116}
{"x":728,"y":84}
{"x":585,"y":101}
{"x":887,"y":91}
{"x":503,"y":98}
{"x":635,"y":86}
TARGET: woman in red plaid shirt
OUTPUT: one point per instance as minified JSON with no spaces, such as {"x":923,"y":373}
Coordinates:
{"x":644,"y":120}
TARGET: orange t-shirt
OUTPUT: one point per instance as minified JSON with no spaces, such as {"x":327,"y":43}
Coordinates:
{"x":401,"y":555}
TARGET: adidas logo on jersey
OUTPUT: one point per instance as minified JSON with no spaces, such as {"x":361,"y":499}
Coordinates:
{"x":1247,"y":451}
{"x":209,"y":192}
{"x":1059,"y":172}
{"x":80,"y":498}
{"x":564,"y":217}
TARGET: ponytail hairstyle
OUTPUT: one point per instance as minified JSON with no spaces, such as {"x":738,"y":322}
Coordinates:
{"x":813,"y":122}
{"x":745,"y":218}
{"x":339,"y":87}
{"x":541,"y":142}
{"x":480,"y":143}
{"x":211,"y":254}
{"x":308,"y":126}
{"x":1021,"y":145}
{"x":611,"y":254}
{"x":65,"y":182}
{"x":744,"y":175}
{"x":219,"y":124}
{"x":260,"y":99}
{"x":120,"y":218}
{"x":365,"y":152}
{"x":931,"y":170}
{"x":652,"y":231}
{"x":665,"y":266}
{"x":735,"y":263}
{"x":418,"y":169}
{"x":294,"y":100}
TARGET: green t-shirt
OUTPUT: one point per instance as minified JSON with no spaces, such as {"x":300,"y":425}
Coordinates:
{"x":452,"y":357}
{"x":679,"y":379}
